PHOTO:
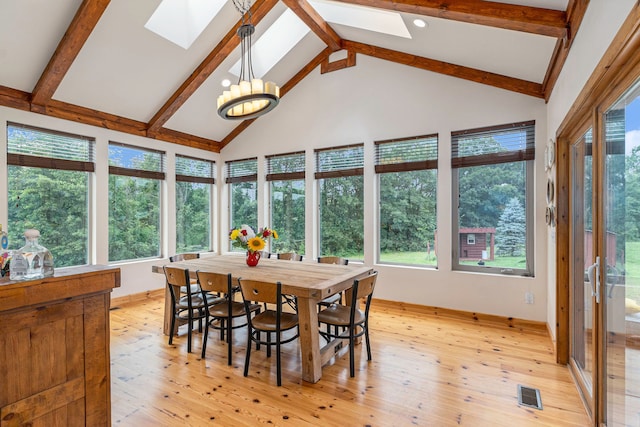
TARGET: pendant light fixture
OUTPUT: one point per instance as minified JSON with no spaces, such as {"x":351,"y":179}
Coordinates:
{"x":251,"y":97}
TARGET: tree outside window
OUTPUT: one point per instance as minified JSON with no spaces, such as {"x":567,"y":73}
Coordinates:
{"x":242,"y":177}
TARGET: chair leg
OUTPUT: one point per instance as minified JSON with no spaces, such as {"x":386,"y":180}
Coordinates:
{"x":248,"y":355}
{"x":189,"y":332}
{"x":204,"y":338}
{"x":278,"y":366}
{"x":229,"y":340}
{"x":172,"y":329}
{"x":268,"y":344}
{"x":366,"y":337}
{"x":352,"y":368}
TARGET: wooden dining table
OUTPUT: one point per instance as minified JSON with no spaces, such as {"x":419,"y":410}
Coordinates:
{"x":309,"y":282}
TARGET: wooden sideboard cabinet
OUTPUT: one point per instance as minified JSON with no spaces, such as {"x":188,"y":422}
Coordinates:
{"x":54,"y":348}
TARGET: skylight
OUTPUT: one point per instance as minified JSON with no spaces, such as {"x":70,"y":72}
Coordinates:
{"x":366,"y":18}
{"x":182,"y":21}
{"x":275,"y":43}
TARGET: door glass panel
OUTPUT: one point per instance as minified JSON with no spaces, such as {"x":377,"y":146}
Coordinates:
{"x":621,"y":293}
{"x":582,"y":258}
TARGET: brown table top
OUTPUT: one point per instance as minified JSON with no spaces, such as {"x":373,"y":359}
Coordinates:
{"x":302,"y":279}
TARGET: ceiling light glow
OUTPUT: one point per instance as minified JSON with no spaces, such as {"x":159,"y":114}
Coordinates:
{"x":419,"y":23}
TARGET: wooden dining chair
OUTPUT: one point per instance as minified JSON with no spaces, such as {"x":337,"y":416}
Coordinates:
{"x":272,"y":322}
{"x":223,"y":311}
{"x":333,"y":299}
{"x":351,"y":317}
{"x":185,"y":308}
{"x":290,"y":256}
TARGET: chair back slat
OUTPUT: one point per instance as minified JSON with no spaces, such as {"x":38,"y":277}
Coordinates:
{"x":333,"y":260}
{"x":176,"y":276}
{"x":214,"y":282}
{"x":365,"y":286}
{"x":254,"y":290}
{"x":184,"y":257}
{"x":290,"y":256}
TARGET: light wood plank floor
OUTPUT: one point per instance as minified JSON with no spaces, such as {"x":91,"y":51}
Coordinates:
{"x":427,"y":370}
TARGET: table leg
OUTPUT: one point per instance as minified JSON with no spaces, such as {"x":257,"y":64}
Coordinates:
{"x":309,"y":340}
{"x":167,"y":311}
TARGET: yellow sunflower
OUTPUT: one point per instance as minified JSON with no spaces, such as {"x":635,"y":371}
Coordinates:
{"x":275,"y":234}
{"x":234,"y":234}
{"x":255,"y":244}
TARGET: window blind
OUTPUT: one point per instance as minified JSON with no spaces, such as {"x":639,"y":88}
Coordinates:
{"x":135,"y":161}
{"x":492,"y":145}
{"x":35,"y":147}
{"x":189,"y":169}
{"x":242,"y":170}
{"x":335,"y":162}
{"x":287,"y":166}
{"x":407,"y":154}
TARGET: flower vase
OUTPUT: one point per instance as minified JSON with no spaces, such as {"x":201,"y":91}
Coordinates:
{"x":253,"y":258}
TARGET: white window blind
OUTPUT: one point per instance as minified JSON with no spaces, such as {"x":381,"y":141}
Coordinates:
{"x":407,"y":154}
{"x":287,"y":166}
{"x":36,"y":147}
{"x":189,"y":169}
{"x":335,"y":162}
{"x":493,"y":145}
{"x":135,"y":161}
{"x":242,"y":170}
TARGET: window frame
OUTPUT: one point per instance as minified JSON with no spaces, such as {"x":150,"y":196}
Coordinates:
{"x":195,"y":178}
{"x":353,"y":167}
{"x":158,"y":175}
{"x":297,"y":174}
{"x":526,"y":155}
{"x":52,"y":162}
{"x":423,"y":159}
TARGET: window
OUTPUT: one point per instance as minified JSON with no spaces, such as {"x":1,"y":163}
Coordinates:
{"x":339,"y":172}
{"x":135,"y":177}
{"x":48,"y":189}
{"x":407,"y":182}
{"x":471,"y":239}
{"x":242,"y":177}
{"x":194,"y":182}
{"x":285,"y":174}
{"x":492,"y":171}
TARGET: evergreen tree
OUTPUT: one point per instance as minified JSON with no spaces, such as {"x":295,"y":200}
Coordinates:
{"x":511,"y":230}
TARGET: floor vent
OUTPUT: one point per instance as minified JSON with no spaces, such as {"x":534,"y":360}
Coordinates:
{"x":530,"y":397}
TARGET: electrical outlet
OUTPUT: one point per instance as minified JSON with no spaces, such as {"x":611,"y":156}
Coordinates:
{"x":528,"y":297}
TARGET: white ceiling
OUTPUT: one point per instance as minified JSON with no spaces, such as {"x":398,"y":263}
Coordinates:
{"x":128,"y":71}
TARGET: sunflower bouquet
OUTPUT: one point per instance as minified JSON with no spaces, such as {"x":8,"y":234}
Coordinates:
{"x":247,"y":238}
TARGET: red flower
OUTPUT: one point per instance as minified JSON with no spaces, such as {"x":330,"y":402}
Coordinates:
{"x":265,"y":233}
{"x":244,"y":232}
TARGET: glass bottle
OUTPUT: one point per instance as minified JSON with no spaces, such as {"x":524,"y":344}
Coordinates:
{"x":34,"y":254}
{"x":18,"y":267}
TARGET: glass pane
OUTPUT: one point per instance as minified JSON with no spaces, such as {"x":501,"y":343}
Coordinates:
{"x":582,"y":257}
{"x":492,"y":216}
{"x":341,"y":217}
{"x":55,"y":202}
{"x":622,"y":253}
{"x":287,"y":216}
{"x":244,"y":206}
{"x":193,"y":217}
{"x":408,"y":217}
{"x":128,"y":157}
{"x":134,"y":218}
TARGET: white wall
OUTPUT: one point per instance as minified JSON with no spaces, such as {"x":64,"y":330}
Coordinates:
{"x":601,"y":22}
{"x":136,"y":276}
{"x":379,"y":100}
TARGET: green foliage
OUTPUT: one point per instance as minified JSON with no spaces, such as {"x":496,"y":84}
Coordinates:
{"x":287,"y":215}
{"x":407,"y":211}
{"x":134,"y":218}
{"x":192,"y":217}
{"x":244,"y":205}
{"x":55,"y":203}
{"x":342,"y":216}
{"x":511,"y":230}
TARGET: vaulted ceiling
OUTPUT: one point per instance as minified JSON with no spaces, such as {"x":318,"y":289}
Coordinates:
{"x":93,"y":61}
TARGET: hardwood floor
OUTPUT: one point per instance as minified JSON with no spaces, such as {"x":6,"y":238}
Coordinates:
{"x":427,"y":370}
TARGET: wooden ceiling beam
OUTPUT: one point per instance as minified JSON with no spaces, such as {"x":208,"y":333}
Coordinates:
{"x":496,"y":80}
{"x":314,"y":21}
{"x":83,"y":23}
{"x":286,"y":88}
{"x":228,"y":43}
{"x":546,"y":22}
{"x":575,"y":12}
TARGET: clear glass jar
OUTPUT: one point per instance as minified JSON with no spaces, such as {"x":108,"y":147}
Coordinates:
{"x":34,"y":253}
